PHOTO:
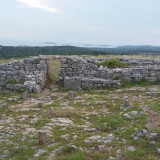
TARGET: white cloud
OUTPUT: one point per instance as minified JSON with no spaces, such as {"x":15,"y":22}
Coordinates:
{"x":38,"y":4}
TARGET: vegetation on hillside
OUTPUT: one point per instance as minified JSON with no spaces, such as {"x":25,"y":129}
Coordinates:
{"x":13,"y":52}
{"x":112,"y":63}
{"x":25,"y":51}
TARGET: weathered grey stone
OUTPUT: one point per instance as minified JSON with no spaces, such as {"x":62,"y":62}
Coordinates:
{"x":24,"y":95}
{"x":131,"y":148}
{"x":72,"y":83}
{"x":37,"y":89}
{"x":142,"y":133}
{"x":12,"y":99}
{"x":87,"y":69}
{"x":153,"y":143}
{"x":15,"y":87}
{"x":112,"y":158}
{"x":31,"y":69}
{"x":127,"y":116}
{"x":40,"y":105}
{"x":53,"y":97}
{"x":42,"y":138}
{"x":5,"y":106}
{"x":133,"y":113}
{"x":155,"y":137}
{"x":71,"y":95}
{"x":127,"y":104}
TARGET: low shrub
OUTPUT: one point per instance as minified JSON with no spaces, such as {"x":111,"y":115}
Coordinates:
{"x":112,"y":63}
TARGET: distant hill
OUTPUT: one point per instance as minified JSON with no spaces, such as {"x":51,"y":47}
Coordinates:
{"x":143,"y":47}
{"x":25,"y":51}
{"x":129,"y":49}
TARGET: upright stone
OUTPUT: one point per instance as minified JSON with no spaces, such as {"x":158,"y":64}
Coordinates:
{"x":5,"y":106}
{"x":53,"y":97}
{"x":71,"y":95}
{"x":42,"y":138}
{"x":127,"y":103}
{"x":40,"y":105}
{"x":24,"y":95}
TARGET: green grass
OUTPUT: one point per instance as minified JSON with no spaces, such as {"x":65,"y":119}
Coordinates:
{"x":142,"y":82}
{"x":24,"y":150}
{"x":112,"y":63}
{"x":12,"y":81}
{"x":136,"y":155}
{"x":113,"y":121}
{"x":155,"y":105}
{"x":78,"y":121}
{"x":102,"y":109}
{"x":70,"y":153}
{"x":40,"y":123}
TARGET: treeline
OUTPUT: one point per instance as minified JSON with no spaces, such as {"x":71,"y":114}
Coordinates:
{"x":25,"y":51}
{"x":129,"y":49}
{"x":14,"y":52}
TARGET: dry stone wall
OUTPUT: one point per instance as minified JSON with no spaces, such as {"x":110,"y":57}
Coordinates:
{"x":84,"y":73}
{"x":25,"y":75}
{"x":75,"y":73}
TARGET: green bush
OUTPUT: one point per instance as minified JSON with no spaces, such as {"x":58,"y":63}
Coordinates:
{"x":112,"y":63}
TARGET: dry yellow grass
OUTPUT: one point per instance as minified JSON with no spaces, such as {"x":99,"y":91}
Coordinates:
{"x":9,"y":60}
{"x":65,"y":112}
{"x":54,"y":67}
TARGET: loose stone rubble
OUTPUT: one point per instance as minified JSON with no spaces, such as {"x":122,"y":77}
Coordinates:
{"x":88,"y":129}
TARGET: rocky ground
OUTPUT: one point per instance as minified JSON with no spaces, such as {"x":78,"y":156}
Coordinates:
{"x":119,"y":124}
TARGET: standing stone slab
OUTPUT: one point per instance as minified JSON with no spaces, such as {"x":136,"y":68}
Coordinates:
{"x":5,"y":106}
{"x":71,"y":95}
{"x":42,"y":138}
{"x":24,"y":95}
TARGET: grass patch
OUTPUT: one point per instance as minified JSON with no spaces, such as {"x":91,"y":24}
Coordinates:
{"x":114,"y":121}
{"x":142,"y":82}
{"x":155,"y":105}
{"x":138,"y":154}
{"x":12,"y":81}
{"x":71,"y":113}
{"x":127,"y":133}
{"x":40,"y":123}
{"x":70,"y":153}
{"x":112,"y":63}
{"x":142,"y":152}
{"x":54,"y":66}
{"x":10,"y":60}
{"x":25,"y":149}
{"x":109,"y":122}
{"x":78,"y":121}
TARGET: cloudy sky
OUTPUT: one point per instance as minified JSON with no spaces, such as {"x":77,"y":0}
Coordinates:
{"x":115,"y":22}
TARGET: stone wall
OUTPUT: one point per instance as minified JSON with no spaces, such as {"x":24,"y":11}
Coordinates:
{"x":25,"y":75}
{"x":80,"y":73}
{"x":75,"y":73}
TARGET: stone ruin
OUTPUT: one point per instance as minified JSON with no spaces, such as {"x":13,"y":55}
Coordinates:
{"x":25,"y":75}
{"x":84,"y":73}
{"x":31,"y":74}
